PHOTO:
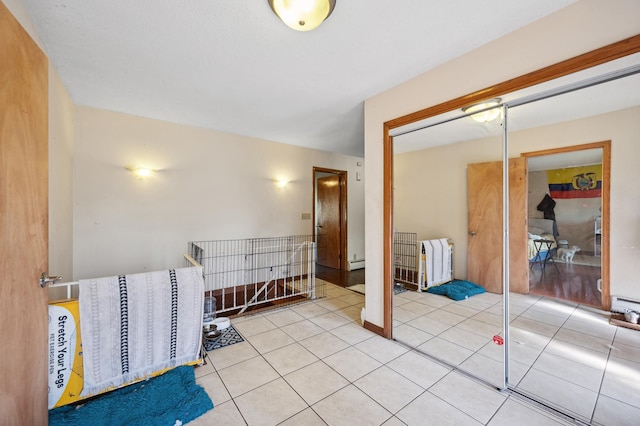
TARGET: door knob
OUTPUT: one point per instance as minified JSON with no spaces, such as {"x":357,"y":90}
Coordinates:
{"x":45,"y":279}
{"x":473,"y":233}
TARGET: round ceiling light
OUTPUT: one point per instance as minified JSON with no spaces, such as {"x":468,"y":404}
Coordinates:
{"x":302,"y":15}
{"x":486,"y":113}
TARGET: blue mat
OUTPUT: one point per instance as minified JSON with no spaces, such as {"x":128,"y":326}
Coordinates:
{"x":457,"y":289}
{"x":158,"y":401}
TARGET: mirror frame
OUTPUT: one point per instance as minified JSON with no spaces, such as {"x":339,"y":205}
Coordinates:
{"x":590,"y":59}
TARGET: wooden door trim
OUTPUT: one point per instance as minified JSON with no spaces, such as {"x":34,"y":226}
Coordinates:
{"x":589,"y":59}
{"x":343,"y":210}
{"x":606,"y":206}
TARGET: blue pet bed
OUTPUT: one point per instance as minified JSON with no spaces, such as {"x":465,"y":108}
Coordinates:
{"x":457,"y":289}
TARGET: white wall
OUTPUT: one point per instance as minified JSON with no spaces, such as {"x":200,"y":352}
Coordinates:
{"x":564,"y":34}
{"x":210,"y":185}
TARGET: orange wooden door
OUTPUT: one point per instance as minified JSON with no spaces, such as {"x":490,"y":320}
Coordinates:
{"x":328,"y":221}
{"x":484,"y":257}
{"x":23,"y":225}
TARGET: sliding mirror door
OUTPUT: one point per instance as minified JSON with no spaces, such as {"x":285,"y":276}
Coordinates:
{"x":564,"y":352}
{"x":573,"y":145}
{"x":448,"y":176}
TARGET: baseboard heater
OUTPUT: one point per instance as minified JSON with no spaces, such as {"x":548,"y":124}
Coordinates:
{"x":356,"y":264}
{"x":622,"y":304}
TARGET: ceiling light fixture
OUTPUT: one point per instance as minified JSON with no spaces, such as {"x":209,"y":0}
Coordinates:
{"x":302,"y":15}
{"x":140,"y":172}
{"x":485,"y":112}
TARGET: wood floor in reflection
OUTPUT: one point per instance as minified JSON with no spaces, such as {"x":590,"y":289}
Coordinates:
{"x":338,"y":277}
{"x":576,"y":283}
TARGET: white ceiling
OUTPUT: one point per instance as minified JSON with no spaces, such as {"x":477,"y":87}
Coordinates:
{"x":231,"y":65}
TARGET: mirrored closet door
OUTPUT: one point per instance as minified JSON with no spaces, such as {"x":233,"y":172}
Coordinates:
{"x":544,"y":332}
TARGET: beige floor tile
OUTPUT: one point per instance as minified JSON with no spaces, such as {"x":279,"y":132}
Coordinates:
{"x":626,"y":352}
{"x":381,"y":349}
{"x":351,"y":407}
{"x":307,"y":417}
{"x":429,"y":409}
{"x":225,"y":414}
{"x":351,"y":363}
{"x":352,"y":313}
{"x":329,"y":320}
{"x":204,"y":369}
{"x":324,"y":345}
{"x":247,"y":375}
{"x":284,"y":317}
{"x":622,"y":381}
{"x":446,"y":317}
{"x":309,"y":310}
{"x":448,"y":352}
{"x":514,"y":412}
{"x":290,"y":358}
{"x":429,"y":325}
{"x":332,"y":304}
{"x":302,"y":330}
{"x":489,"y":318}
{"x":596,"y":325}
{"x":577,"y":353}
{"x":270,"y":340}
{"x":233,"y":354}
{"x":464,"y":338}
{"x":336,"y":291}
{"x":627,"y":336}
{"x":480,"y":328}
{"x":544,"y":317}
{"x":404,"y":315}
{"x":410,"y":336}
{"x":270,"y":404}
{"x":419,"y":369}
{"x":585,"y":340}
{"x":315,"y":382}
{"x":492,"y":371}
{"x":393,"y":421}
{"x":574,"y":372}
{"x":352,"y":298}
{"x":474,"y":399}
{"x":460,"y":309}
{"x":535,"y":326}
{"x":254,"y":326}
{"x":352,"y":333}
{"x":559,"y":393}
{"x":390,"y":389}
{"x":434,"y":300}
{"x":418,"y":308}
{"x":214,"y":387}
{"x":613,"y":412}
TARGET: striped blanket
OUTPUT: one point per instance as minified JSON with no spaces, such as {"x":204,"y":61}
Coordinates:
{"x":133,"y":326}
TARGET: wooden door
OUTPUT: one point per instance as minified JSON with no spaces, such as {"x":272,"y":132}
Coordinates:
{"x":484,"y":257}
{"x":328,"y":221}
{"x":23,"y":225}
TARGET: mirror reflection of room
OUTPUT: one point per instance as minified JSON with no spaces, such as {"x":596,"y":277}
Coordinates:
{"x":565,"y":207}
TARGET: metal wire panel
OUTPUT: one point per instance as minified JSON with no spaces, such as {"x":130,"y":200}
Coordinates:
{"x":257,"y":271}
{"x":405,"y":257}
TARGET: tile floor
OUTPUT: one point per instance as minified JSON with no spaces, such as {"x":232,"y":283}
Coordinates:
{"x":313,"y":364}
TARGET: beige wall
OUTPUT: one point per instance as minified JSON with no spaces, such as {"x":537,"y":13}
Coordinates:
{"x":210,"y":185}
{"x":559,"y":36}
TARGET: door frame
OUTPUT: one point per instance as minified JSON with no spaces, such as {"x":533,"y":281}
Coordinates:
{"x":605,"y":202}
{"x":342,"y":175}
{"x":587,"y":60}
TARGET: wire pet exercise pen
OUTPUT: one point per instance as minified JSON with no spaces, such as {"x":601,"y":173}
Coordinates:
{"x":253,"y":273}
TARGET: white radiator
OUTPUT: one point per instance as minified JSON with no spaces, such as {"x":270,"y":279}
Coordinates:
{"x":356,"y":264}
{"x":622,"y":304}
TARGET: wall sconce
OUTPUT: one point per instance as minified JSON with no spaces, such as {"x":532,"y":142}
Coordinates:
{"x":486,"y":113}
{"x":141,"y":172}
{"x":281,"y":183}
{"x":302,"y":15}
